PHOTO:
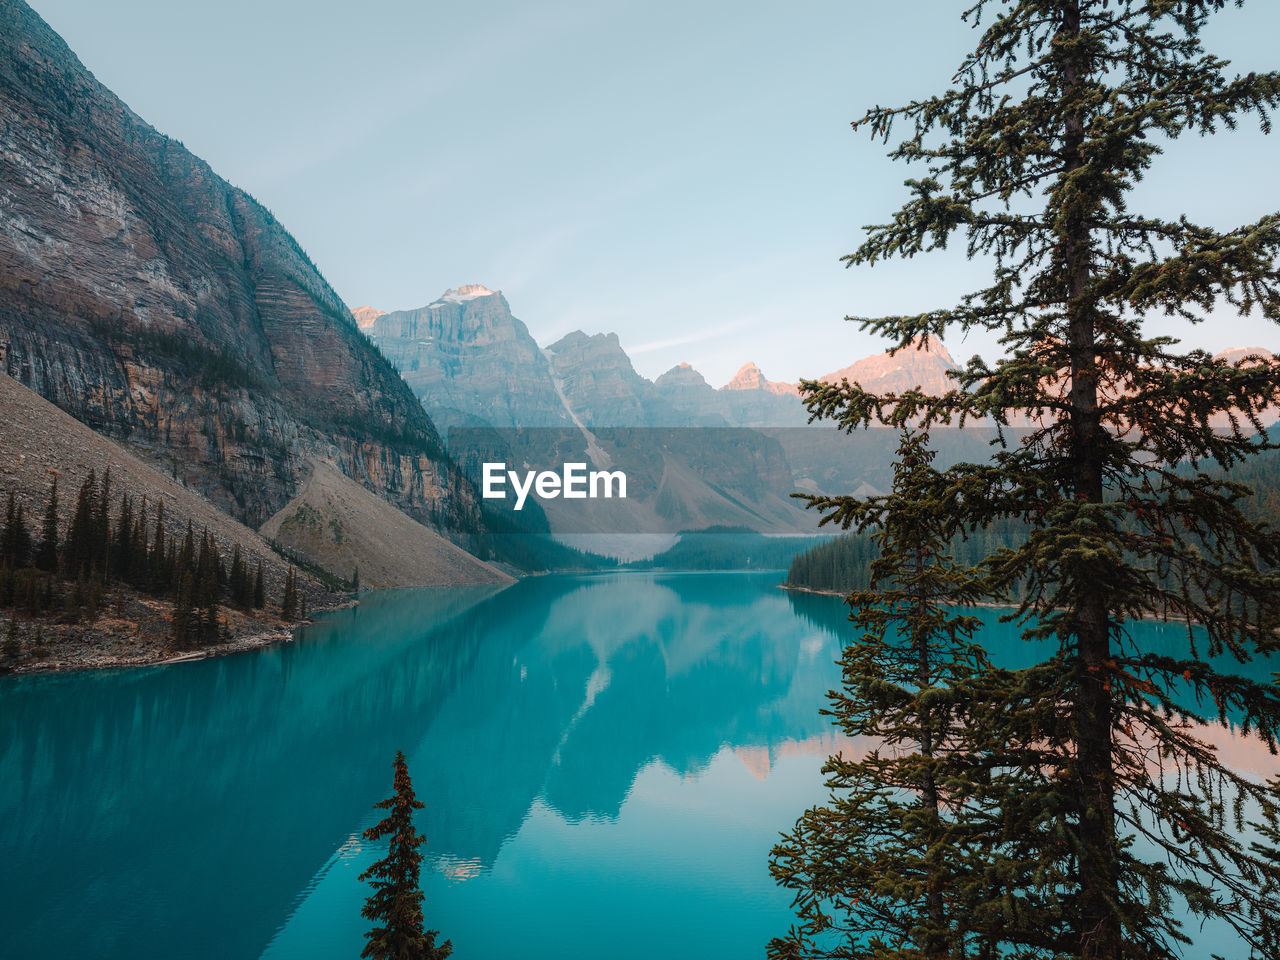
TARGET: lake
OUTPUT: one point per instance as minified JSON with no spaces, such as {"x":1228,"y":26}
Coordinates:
{"x":605,"y":762}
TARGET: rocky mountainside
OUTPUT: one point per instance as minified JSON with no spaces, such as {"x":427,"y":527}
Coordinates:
{"x":153,"y":301}
{"x":342,"y":527}
{"x":471,"y":362}
{"x":600,"y":386}
{"x":695,"y":402}
{"x":39,"y":441}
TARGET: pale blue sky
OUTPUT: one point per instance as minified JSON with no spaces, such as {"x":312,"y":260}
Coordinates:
{"x":682,"y":174}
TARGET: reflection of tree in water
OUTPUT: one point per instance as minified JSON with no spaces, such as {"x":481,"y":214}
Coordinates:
{"x":219,"y":787}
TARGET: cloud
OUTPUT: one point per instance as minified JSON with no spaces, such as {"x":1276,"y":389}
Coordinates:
{"x":686,"y":339}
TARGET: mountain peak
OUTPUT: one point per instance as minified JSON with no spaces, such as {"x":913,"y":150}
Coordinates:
{"x":681,"y":375}
{"x":749,"y":377}
{"x":915,"y":365}
{"x":468,"y":291}
{"x":365,"y":317}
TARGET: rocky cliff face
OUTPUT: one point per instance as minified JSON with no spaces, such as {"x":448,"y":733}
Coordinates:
{"x":471,"y":362}
{"x":600,"y":385}
{"x":694,"y":401}
{"x":748,"y":400}
{"x":155,"y":302}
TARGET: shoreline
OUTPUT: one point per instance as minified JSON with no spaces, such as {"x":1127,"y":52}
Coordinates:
{"x":986,"y":605}
{"x":75,"y":648}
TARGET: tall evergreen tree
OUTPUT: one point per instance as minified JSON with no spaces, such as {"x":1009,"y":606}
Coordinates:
{"x":16,"y":545}
{"x":207,"y":589}
{"x":259,"y":589}
{"x":1030,"y":156}
{"x":874,"y":869}
{"x":122,"y":543}
{"x":185,"y":561}
{"x":289,"y":601}
{"x":396,"y":901}
{"x":241,"y":592}
{"x":78,"y":552}
{"x":185,"y":622}
{"x":102,"y":526}
{"x":47,"y":553}
{"x":160,"y":571}
{"x":139,"y":573}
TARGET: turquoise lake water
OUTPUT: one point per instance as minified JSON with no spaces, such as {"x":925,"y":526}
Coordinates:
{"x":605,"y":763}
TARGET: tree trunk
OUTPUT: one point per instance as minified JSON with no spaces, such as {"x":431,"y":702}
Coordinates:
{"x":1100,"y":933}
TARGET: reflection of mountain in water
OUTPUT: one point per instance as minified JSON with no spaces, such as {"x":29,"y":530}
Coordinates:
{"x":624,"y":670}
{"x":212,"y":792}
{"x":138,"y":807}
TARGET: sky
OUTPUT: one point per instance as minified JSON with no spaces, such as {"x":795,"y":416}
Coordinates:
{"x":681,"y":174}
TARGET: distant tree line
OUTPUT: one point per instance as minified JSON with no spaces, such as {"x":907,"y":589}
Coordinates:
{"x":66,"y":576}
{"x":726,"y":548}
{"x":843,"y":564}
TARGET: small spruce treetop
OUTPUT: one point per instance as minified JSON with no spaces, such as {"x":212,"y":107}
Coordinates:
{"x":396,"y":901}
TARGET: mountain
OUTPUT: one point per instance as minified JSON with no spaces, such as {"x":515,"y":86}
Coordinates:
{"x":749,"y":377}
{"x":470,"y":362}
{"x":150,"y":299}
{"x":365,"y":316}
{"x":694,"y":402}
{"x":919,"y":365}
{"x":751,"y":400}
{"x":353,"y":534}
{"x":599,"y":385}
{"x":39,"y":441}
{"x":473,"y":364}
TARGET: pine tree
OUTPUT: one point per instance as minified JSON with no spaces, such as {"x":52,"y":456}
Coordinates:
{"x":241,"y":595}
{"x":892,"y":846}
{"x":396,"y":901}
{"x":1030,"y":156}
{"x":47,"y":553}
{"x":259,"y":589}
{"x":207,"y":589}
{"x":184,"y":621}
{"x":289,"y":601}
{"x":122,"y":542}
{"x":12,"y":649}
{"x":139,"y":573}
{"x":160,"y":572}
{"x":16,"y":545}
{"x":185,"y":561}
{"x":78,"y":554}
{"x":11,"y":536}
{"x":101,"y":525}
